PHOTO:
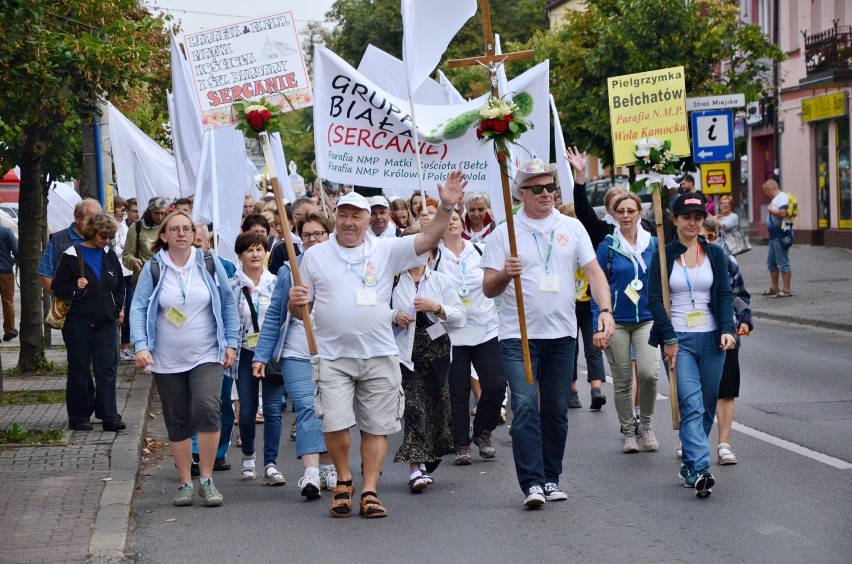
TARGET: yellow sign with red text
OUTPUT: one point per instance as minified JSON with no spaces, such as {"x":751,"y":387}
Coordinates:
{"x":716,"y":178}
{"x":647,"y":104}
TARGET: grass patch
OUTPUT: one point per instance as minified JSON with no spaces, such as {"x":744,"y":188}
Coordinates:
{"x":32,"y":396}
{"x":16,"y":434}
{"x":44,"y":368}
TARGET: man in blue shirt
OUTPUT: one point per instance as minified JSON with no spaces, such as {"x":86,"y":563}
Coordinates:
{"x":8,"y":257}
{"x":62,"y":240}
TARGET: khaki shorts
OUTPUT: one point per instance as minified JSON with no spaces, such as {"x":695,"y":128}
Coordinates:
{"x":367,"y":392}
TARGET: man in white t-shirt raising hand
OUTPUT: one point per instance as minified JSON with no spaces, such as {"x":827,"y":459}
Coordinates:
{"x":347,"y":283}
{"x":552,"y":246}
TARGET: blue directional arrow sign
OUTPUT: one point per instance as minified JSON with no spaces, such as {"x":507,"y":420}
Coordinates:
{"x":712,"y":136}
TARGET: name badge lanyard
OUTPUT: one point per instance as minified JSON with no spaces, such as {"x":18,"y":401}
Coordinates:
{"x":184,"y":290}
{"x":636,"y":284}
{"x":463,"y":289}
{"x":549,"y":251}
{"x":689,"y":283}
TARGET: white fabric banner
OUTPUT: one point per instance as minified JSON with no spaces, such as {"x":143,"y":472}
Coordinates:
{"x":564,"y":174}
{"x":129,"y":143}
{"x":61,"y":199}
{"x":388,"y":72}
{"x":451,"y":95}
{"x":428,"y":26}
{"x":185,"y":118}
{"x":363,"y":134}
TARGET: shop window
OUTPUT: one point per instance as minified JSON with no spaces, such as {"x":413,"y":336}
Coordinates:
{"x":823,"y":176}
{"x":844,"y":182}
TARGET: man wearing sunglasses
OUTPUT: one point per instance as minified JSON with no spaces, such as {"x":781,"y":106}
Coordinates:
{"x":550,"y":247}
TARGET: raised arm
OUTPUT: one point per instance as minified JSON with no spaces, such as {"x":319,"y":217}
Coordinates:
{"x":450,"y":194}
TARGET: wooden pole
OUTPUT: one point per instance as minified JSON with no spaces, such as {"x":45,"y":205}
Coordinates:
{"x":288,"y":239}
{"x":664,"y":282}
{"x":491,"y":62}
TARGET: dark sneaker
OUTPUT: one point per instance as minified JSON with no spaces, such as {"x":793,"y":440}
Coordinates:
{"x":688,"y":476}
{"x":598,"y":399}
{"x":483,"y":441}
{"x":535,"y":497}
{"x":81,"y":426}
{"x":210,"y":495}
{"x":462,"y":456}
{"x":184,"y":496}
{"x":9,"y":336}
{"x":553,"y":493}
{"x":574,"y":400}
{"x":703,"y":483}
{"x":221,"y":464}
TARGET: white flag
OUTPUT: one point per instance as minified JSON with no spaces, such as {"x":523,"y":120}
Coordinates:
{"x":428,"y":26}
{"x":563,"y":167}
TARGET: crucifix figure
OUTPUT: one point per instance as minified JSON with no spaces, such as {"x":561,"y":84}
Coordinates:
{"x":492,"y":62}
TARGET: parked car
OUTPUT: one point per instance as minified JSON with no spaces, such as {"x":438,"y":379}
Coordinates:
{"x":11,"y":210}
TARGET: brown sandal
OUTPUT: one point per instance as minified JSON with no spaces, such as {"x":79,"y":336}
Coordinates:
{"x":371,"y":507}
{"x":341,"y":499}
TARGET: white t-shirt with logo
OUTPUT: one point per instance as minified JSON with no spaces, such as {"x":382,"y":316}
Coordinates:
{"x":337,"y":278}
{"x":465,"y":271}
{"x":549,"y":314}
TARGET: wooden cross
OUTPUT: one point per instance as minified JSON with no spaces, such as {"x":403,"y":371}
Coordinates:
{"x":492,"y":62}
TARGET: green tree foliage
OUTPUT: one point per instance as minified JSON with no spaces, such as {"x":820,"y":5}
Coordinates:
{"x":618,"y":37}
{"x":57,"y":57}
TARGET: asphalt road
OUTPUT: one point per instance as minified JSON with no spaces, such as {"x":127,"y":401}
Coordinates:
{"x":780,"y":504}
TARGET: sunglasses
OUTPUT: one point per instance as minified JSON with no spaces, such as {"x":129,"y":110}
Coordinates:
{"x":106,"y":236}
{"x":538,"y":189}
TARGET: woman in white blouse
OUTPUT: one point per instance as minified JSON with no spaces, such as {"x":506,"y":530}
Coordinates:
{"x":474,"y":343}
{"x":423,"y":304}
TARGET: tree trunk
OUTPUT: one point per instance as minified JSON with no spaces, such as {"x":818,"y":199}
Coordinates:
{"x":31,"y":228}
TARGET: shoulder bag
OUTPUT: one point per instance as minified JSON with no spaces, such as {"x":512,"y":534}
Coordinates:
{"x":59,"y":308}
{"x":736,"y":241}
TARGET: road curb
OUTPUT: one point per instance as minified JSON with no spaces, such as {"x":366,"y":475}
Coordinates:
{"x":112,"y":523}
{"x":847,"y":327}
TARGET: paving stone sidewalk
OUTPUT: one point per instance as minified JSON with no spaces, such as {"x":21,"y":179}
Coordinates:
{"x":70,"y":502}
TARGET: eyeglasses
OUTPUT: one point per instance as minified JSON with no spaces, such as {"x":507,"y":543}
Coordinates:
{"x":176,"y":230}
{"x":106,"y":236}
{"x":315,"y":235}
{"x":538,"y":189}
{"x":121,"y":210}
{"x":626,"y":211}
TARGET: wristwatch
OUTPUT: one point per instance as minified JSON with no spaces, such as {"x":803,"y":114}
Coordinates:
{"x":606,"y":310}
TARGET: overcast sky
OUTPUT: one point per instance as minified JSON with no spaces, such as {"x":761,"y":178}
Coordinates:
{"x":207,"y":14}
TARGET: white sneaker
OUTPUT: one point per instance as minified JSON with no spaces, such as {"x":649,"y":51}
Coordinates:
{"x":535,"y":497}
{"x":126,"y":355}
{"x":328,"y":479}
{"x":553,"y":493}
{"x":310,"y":486}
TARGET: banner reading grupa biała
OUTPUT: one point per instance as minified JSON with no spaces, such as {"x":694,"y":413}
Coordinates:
{"x":363,"y":135}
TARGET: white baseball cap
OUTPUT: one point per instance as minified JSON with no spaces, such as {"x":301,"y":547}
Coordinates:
{"x":353,"y":199}
{"x":379,"y":201}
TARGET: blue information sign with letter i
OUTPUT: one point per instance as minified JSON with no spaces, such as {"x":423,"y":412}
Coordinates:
{"x":712,"y":136}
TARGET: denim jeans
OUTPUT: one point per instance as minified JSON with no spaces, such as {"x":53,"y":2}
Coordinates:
{"x":298,"y":377}
{"x":699,"y":370}
{"x":489,"y":367}
{"x":777,"y":257}
{"x":247,"y":388}
{"x":539,"y":433}
{"x":227,"y":414}
{"x":594,"y":358}
{"x":86,"y":346}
